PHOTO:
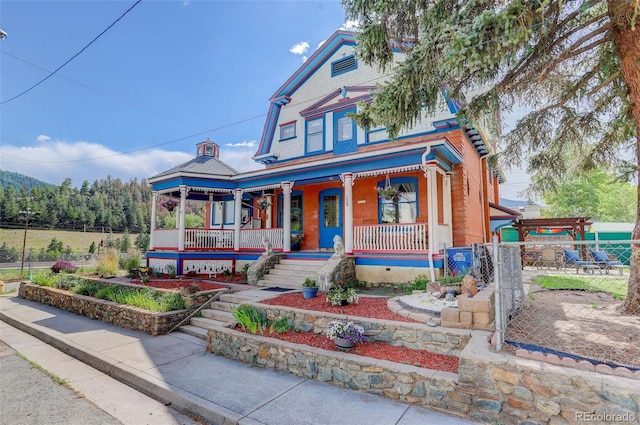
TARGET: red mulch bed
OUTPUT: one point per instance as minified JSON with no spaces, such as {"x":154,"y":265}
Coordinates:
{"x":377,"y":350}
{"x":371,"y":307}
{"x":177,"y":283}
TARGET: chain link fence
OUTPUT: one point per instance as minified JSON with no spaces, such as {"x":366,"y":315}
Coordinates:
{"x":566,"y":298}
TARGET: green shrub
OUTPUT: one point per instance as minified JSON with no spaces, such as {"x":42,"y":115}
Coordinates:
{"x":281,"y":325}
{"x":44,"y":280}
{"x":110,"y":292}
{"x":68,"y":281}
{"x":250,"y":318}
{"x":171,"y":270}
{"x":450,"y":280}
{"x":420,"y":282}
{"x":88,"y":288}
{"x":170,"y":301}
{"x":245,"y":271}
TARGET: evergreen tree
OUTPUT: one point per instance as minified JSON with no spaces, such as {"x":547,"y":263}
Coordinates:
{"x":573,"y":63}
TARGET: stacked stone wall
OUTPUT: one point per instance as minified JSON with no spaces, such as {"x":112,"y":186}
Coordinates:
{"x":154,"y":323}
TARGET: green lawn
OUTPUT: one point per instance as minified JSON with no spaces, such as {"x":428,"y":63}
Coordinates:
{"x":617,"y":287}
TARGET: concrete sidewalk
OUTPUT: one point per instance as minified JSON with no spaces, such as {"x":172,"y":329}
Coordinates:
{"x":175,"y":369}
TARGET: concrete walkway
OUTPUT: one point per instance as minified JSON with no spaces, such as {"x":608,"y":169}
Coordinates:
{"x":175,"y":369}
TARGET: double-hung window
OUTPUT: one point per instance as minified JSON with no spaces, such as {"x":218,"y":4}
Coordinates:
{"x":404,"y":210}
{"x":315,"y":135}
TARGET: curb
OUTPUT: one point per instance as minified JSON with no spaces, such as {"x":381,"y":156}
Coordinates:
{"x":159,"y":390}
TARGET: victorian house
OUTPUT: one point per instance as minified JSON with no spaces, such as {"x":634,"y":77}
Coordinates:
{"x":396,"y":204}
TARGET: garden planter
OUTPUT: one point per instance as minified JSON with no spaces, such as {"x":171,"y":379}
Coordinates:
{"x":309,"y":292}
{"x":343,"y":344}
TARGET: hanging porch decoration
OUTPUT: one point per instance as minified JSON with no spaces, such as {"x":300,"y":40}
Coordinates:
{"x":263,"y":203}
{"x":169,"y":204}
{"x":388,"y":192}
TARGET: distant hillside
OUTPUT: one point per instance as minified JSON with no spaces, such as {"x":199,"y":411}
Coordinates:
{"x":20,"y":181}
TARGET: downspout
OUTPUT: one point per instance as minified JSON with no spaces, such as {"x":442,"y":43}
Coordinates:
{"x":484,"y":169}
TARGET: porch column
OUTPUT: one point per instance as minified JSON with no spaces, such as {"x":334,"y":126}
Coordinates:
{"x":286,"y":217}
{"x":447,"y":207}
{"x":347,"y":182}
{"x":152,"y":226}
{"x":432,"y":205}
{"x":183,"y":201}
{"x":209,"y":220}
{"x":237,"y":213}
{"x":269,"y":212}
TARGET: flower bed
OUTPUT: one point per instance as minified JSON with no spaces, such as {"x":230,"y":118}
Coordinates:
{"x":396,"y":381}
{"x":178,"y":283}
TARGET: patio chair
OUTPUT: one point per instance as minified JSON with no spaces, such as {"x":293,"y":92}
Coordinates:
{"x":572,"y":259}
{"x":602,"y":260}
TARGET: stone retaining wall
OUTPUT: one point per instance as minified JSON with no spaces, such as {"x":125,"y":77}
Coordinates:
{"x":396,"y":381}
{"x":154,"y":323}
{"x":404,"y":334}
{"x":491,"y":387}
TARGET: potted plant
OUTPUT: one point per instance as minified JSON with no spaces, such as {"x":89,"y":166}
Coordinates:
{"x":263,"y":203}
{"x":309,"y":288}
{"x":345,"y":333}
{"x":389,"y":193}
{"x":169,"y":204}
{"x":296,"y":241}
{"x":342,"y":295}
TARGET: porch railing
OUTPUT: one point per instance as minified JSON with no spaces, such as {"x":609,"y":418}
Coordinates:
{"x":208,"y":239}
{"x":223,"y":238}
{"x":165,"y":238}
{"x":391,"y":237}
{"x":252,"y":238}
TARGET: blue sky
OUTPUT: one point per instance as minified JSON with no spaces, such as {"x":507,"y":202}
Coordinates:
{"x":166,"y":76}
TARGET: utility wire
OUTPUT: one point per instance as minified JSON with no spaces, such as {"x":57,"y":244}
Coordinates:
{"x":119,"y":99}
{"x":72,"y":57}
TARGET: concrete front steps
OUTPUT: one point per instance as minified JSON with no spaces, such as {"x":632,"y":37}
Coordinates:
{"x":291,"y":273}
{"x":220,"y":313}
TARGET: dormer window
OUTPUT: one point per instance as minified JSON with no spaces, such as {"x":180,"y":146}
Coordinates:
{"x":288,"y":131}
{"x":343,"y":65}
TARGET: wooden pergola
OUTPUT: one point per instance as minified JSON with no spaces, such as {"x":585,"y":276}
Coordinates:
{"x":573,"y":226}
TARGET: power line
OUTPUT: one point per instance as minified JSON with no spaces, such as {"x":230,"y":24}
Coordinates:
{"x":119,"y":99}
{"x":72,"y":57}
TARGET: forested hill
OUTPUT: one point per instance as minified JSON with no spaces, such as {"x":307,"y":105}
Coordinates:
{"x":107,"y":203}
{"x":19,"y":181}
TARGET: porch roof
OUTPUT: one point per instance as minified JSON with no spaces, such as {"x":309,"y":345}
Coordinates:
{"x":398,"y":158}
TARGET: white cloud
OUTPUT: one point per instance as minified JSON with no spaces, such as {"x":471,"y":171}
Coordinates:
{"x":80,"y":161}
{"x":247,"y":143}
{"x":304,"y":58}
{"x":300,"y":48}
{"x":43,"y":138}
{"x":350,"y":26}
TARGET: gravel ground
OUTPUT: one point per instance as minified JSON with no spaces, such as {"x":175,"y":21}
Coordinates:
{"x":28,"y":396}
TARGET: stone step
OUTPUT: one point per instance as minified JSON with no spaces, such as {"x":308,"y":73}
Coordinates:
{"x":280,"y":284}
{"x":203,"y":322}
{"x":308,"y":263}
{"x":194,"y":331}
{"x":219,"y":315}
{"x":223,"y":306}
{"x":307,"y":272}
{"x":298,"y":267}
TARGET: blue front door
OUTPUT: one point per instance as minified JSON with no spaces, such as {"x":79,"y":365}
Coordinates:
{"x":344,"y":133}
{"x":330,"y":216}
